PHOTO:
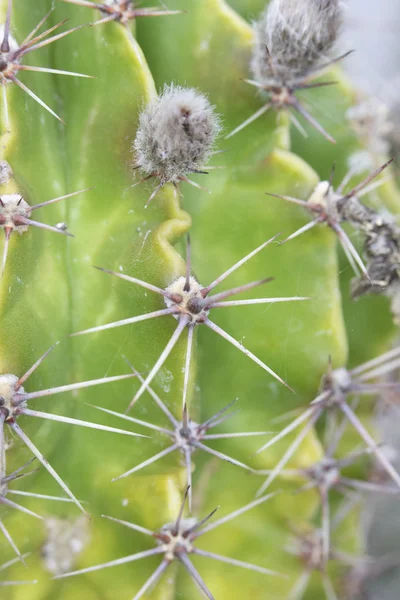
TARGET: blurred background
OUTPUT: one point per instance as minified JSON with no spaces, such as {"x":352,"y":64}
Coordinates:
{"x":372,"y":29}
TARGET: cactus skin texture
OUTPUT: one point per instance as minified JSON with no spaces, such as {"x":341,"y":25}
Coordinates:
{"x":50,"y":290}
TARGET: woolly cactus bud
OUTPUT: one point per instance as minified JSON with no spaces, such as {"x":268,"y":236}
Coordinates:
{"x":291,"y":40}
{"x":176,"y":135}
{"x":297,"y":34}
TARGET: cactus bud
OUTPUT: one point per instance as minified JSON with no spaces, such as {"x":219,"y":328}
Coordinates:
{"x":297,"y":34}
{"x":176,"y":134}
{"x":291,"y":40}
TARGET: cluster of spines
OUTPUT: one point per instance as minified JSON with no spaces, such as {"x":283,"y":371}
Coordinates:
{"x":11,"y":54}
{"x":13,"y":405}
{"x":122,"y":11}
{"x":325,"y":475}
{"x":188,"y":301}
{"x":332,"y":207}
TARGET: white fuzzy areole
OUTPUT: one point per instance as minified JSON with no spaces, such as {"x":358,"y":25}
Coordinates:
{"x":7,"y":389}
{"x":6,"y":64}
{"x":185,"y":441}
{"x":11,"y":41}
{"x":13,"y":205}
{"x":322,"y":195}
{"x":112,"y":3}
{"x":177,"y":540}
{"x":184,"y":525}
{"x":342,"y":379}
{"x":177,"y":287}
{"x":326,"y":473}
{"x":339,"y":385}
{"x":192,"y":296}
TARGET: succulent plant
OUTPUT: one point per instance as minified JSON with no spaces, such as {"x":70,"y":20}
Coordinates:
{"x":119,"y":95}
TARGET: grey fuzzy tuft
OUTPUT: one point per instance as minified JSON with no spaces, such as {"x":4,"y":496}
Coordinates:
{"x":176,"y":134}
{"x":299,"y":34}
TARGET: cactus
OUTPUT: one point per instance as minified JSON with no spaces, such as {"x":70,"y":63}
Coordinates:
{"x":110,"y":389}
